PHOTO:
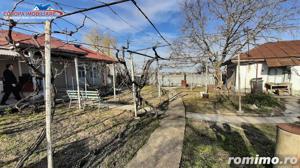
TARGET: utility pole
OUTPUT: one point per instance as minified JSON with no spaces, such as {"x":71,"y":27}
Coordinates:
{"x":48,"y":97}
{"x":133,"y":87}
{"x":158,"y":82}
{"x":239,"y":85}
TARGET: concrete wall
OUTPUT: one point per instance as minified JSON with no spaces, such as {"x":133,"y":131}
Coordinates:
{"x":175,"y":79}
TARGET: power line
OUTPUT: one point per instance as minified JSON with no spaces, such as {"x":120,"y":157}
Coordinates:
{"x":91,"y":8}
{"x":136,"y":5}
{"x":124,"y":20}
{"x":148,"y":48}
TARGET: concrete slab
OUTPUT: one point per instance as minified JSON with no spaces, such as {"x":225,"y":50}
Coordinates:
{"x":164,"y":147}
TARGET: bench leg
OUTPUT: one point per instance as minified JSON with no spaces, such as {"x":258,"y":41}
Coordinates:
{"x":70,"y":103}
{"x":99,"y":105}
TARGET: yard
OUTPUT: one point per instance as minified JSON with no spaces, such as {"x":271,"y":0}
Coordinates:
{"x":210,"y":144}
{"x":252,"y":105}
{"x":78,"y":136}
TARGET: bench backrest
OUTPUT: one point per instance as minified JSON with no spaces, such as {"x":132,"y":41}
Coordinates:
{"x":72,"y":94}
{"x":92,"y":95}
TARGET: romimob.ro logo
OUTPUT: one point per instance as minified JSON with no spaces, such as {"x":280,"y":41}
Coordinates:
{"x":39,"y":12}
{"x":262,"y":160}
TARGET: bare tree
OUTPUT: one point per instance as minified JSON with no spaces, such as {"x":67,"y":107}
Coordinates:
{"x":220,"y":29}
{"x":97,"y":38}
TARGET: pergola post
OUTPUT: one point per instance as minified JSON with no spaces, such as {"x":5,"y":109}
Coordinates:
{"x":133,"y":86}
{"x":48,"y":92}
{"x":77,"y":82}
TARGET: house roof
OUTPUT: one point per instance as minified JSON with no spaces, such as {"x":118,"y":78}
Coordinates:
{"x":275,"y":54}
{"x":56,"y":45}
{"x":94,"y":55}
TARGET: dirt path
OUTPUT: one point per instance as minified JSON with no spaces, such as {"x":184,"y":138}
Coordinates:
{"x":290,"y":115}
{"x":164,"y":147}
{"x":241,"y":119}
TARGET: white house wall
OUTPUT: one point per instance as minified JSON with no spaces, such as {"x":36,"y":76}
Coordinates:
{"x":295,"y":80}
{"x":248,"y":72}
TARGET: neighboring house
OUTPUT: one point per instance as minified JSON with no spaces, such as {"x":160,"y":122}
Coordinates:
{"x":274,"y":63}
{"x":63,"y":55}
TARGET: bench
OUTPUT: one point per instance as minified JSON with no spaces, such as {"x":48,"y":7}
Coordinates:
{"x":72,"y":94}
{"x":87,"y":97}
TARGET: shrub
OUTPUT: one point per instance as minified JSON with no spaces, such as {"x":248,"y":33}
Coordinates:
{"x":261,"y":99}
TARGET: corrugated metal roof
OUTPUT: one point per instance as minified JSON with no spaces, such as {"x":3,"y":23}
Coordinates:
{"x":276,"y":54}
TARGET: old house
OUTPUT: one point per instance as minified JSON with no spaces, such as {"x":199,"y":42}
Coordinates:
{"x":273,"y":67}
{"x":93,"y":67}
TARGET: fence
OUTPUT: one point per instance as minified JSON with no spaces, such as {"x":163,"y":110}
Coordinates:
{"x":169,"y":80}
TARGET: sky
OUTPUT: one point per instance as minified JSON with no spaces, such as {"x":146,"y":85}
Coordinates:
{"x":122,"y":21}
{"x":127,"y":24}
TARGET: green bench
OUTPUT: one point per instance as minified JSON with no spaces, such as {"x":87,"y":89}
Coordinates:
{"x":88,"y":97}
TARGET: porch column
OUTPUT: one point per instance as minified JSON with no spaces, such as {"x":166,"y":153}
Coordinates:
{"x":31,"y":54}
{"x":85,"y":81}
{"x":66,"y":78}
{"x":114,"y":80}
{"x":77,"y":82}
{"x":19,"y":67}
{"x":93,"y":73}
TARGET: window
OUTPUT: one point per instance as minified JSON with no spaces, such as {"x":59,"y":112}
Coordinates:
{"x":81,"y":72}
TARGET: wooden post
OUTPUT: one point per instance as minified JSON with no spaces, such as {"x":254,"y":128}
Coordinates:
{"x":239,"y":85}
{"x":114,"y":80}
{"x":77,"y":82}
{"x":48,"y":99}
{"x":133,"y":86}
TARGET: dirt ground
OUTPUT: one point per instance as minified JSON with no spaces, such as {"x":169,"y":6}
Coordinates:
{"x":75,"y":135}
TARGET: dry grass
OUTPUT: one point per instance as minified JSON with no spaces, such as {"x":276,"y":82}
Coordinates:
{"x":228,"y":105}
{"x":149,"y":93}
{"x":82,"y":130}
{"x":208,"y":144}
{"x":74,"y":134}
